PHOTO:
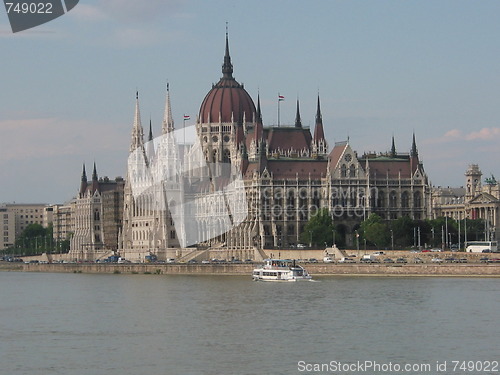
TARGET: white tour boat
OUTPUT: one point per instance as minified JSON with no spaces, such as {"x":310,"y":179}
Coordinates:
{"x":280,"y":270}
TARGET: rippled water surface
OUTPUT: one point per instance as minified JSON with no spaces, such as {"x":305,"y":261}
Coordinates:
{"x":76,"y":324}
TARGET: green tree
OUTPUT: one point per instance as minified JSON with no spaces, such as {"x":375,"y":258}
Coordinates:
{"x":375,"y":231}
{"x":402,"y":232}
{"x":319,"y":229}
{"x":34,"y":239}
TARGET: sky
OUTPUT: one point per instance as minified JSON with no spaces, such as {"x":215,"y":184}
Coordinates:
{"x":382,"y":68}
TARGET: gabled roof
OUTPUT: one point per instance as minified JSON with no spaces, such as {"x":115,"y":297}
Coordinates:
{"x":336,"y":154}
{"x":483,"y":198}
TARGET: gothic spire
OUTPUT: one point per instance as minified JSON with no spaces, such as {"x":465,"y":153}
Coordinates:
{"x":95,"y":181}
{"x":414,"y":151}
{"x":94,"y":173}
{"x":137,"y":132}
{"x":83,"y":184}
{"x":393,"y":148}
{"x":168,"y":121}
{"x":259,"y":113}
{"x":84,"y":174}
{"x":318,"y":129}
{"x":150,"y":136}
{"x":258,"y":124}
{"x":227,"y":67}
{"x":298,"y":122}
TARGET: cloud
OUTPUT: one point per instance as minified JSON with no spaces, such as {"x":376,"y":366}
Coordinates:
{"x":454,"y":133}
{"x":457,"y":135}
{"x":483,"y":134}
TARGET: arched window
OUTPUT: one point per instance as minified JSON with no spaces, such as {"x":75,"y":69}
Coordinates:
{"x":417,"y":200}
{"x":405,"y":200}
{"x":227,"y":156}
{"x":393,"y":200}
{"x":380,"y":198}
{"x":352,"y":171}
{"x":343,"y":171}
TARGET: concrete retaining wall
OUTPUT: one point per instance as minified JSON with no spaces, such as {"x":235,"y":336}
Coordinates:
{"x":317,"y":269}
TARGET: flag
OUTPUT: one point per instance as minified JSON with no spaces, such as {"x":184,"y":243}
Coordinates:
{"x":281,"y":98}
{"x":187,"y":117}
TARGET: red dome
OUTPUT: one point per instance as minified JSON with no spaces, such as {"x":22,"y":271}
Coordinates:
{"x":227,"y":98}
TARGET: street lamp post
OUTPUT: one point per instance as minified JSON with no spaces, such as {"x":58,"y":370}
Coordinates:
{"x":392,"y":240}
{"x":310,"y":238}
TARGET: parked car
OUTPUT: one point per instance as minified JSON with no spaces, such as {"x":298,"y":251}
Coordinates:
{"x":401,"y":260}
{"x":388,"y":260}
{"x":347,"y":260}
{"x":436,"y":260}
{"x":418,"y":260}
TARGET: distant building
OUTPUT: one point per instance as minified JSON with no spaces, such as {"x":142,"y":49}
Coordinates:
{"x":62,"y":223}
{"x":475,"y":201}
{"x":96,"y":217}
{"x":8,"y":220}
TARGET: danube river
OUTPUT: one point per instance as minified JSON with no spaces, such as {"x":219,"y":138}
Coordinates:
{"x":82,"y":324}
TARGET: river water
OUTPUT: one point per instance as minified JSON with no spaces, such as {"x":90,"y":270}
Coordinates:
{"x":82,"y":324}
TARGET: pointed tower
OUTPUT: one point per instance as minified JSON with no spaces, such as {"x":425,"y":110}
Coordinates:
{"x":298,"y":122}
{"x":150,"y":135}
{"x":168,"y":121}
{"x":257,"y":145}
{"x":319,"y":146}
{"x":150,"y":148}
{"x":393,"y":148}
{"x":95,"y":180}
{"x":137,"y":131}
{"x":414,"y":151}
{"x":83,"y":184}
{"x":414,"y":162}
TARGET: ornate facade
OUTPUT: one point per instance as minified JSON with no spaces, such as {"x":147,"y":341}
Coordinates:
{"x":288,"y":174}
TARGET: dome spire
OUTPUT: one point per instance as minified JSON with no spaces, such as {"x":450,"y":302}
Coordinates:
{"x":393,"y":148}
{"x":227,"y":67}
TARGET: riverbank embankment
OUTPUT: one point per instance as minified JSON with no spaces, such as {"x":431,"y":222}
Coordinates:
{"x":316,"y":269}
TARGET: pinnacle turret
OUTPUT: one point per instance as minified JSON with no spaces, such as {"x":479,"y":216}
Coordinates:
{"x":318,"y":129}
{"x":168,"y":121}
{"x":298,"y":122}
{"x":137,"y":131}
{"x":393,"y":148}
{"x":414,"y":151}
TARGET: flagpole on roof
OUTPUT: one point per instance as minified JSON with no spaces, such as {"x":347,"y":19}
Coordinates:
{"x":279,"y":109}
{"x":280,"y":99}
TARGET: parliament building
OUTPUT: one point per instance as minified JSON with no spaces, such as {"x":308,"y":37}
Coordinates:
{"x":286,"y":173}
